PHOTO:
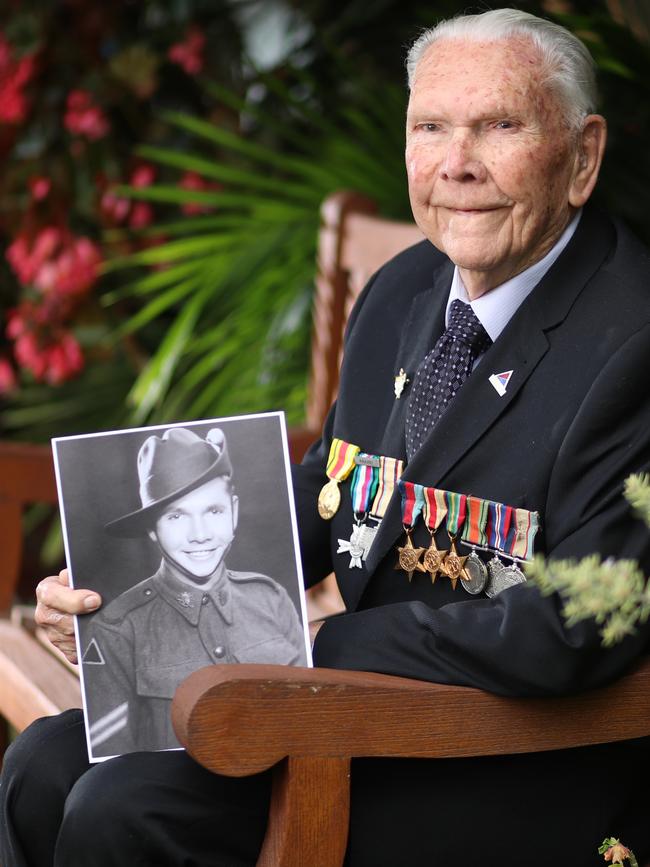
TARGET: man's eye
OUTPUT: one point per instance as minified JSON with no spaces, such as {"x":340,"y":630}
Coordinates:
{"x":172,"y":516}
{"x":429,"y":127}
{"x":216,"y":510}
{"x":504,"y":124}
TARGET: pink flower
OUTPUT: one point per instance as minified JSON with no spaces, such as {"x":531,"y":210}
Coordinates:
{"x":143,"y":175}
{"x":194,"y":181}
{"x":617,"y":853}
{"x":189,"y":53}
{"x":8,"y":381}
{"x":141,"y":215}
{"x":55,"y":261}
{"x":39,"y":187}
{"x":83,"y":117}
{"x":114,"y":207}
{"x":15,"y":75}
{"x":41,"y":345}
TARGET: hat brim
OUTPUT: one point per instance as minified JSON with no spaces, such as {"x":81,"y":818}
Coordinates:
{"x":138,"y":523}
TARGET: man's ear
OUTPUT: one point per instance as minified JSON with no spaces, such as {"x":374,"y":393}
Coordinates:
{"x":152,"y":535}
{"x":589,"y":156}
{"x":235,"y":511}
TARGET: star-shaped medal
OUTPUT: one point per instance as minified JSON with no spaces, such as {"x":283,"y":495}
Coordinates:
{"x":409,"y":558}
{"x":433,"y":559}
{"x":401,"y":380}
{"x":453,"y":565}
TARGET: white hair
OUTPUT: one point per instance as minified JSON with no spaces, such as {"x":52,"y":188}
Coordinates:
{"x":567,"y":66}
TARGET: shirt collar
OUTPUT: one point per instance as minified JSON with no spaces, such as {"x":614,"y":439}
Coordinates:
{"x":495,"y":309}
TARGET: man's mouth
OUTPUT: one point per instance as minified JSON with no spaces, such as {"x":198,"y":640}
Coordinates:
{"x":202,"y":554}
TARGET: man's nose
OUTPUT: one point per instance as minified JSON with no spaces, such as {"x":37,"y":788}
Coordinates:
{"x":462,"y":160}
{"x":199,"y":529}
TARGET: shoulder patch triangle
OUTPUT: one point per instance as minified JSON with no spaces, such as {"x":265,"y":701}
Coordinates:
{"x":92,"y":654}
{"x":500,"y":381}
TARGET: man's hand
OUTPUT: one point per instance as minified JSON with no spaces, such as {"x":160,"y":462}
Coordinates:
{"x":56,"y":603}
{"x":314,"y":626}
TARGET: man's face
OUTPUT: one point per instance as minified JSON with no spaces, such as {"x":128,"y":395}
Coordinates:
{"x":491,"y":166}
{"x":196,"y":530}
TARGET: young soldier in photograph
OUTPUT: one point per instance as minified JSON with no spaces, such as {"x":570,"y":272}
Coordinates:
{"x":192,"y":612}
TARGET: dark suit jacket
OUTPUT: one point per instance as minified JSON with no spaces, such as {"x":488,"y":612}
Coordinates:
{"x":573,"y":423}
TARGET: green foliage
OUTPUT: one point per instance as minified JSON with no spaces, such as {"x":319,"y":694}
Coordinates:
{"x":614,"y":593}
{"x":235,"y":292}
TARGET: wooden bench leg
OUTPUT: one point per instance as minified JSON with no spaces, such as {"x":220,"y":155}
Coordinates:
{"x":309,"y":816}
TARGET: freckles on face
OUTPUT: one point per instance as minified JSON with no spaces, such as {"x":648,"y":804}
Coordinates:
{"x":487,"y":157}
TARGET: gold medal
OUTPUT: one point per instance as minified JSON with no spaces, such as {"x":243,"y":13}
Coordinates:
{"x":329,"y":499}
{"x":340,"y":464}
{"x":409,"y":557}
{"x":433,"y":559}
{"x":453,"y":565}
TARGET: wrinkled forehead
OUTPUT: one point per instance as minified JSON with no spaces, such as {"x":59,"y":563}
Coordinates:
{"x":470,"y":80}
{"x":514,"y":62}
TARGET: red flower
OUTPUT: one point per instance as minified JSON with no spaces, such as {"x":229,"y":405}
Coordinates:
{"x":39,"y":187}
{"x":8,"y":381}
{"x":194,"y":181}
{"x":114,"y":207}
{"x":189,"y":53}
{"x":83,"y":117}
{"x":143,"y":175}
{"x":117,"y":209}
{"x":55,"y":262}
{"x":14,"y":77}
{"x":141,"y":215}
{"x":41,"y":345}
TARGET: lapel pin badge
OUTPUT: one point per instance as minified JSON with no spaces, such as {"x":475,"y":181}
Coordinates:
{"x":500,"y":381}
{"x":401,"y":380}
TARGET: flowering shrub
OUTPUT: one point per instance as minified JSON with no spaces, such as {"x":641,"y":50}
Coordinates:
{"x":81,"y":85}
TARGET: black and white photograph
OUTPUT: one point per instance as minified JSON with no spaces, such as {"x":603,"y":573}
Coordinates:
{"x":188,"y":532}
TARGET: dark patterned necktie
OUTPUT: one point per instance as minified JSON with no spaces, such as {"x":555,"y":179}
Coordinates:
{"x":443,"y":371}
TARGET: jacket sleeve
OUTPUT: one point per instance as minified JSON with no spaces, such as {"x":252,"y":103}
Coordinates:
{"x":108,"y":672}
{"x":518,"y":643}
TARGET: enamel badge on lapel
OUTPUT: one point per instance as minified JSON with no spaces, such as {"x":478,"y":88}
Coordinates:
{"x":500,"y":381}
{"x":401,"y":381}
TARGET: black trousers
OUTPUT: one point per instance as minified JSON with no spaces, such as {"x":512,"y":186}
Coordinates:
{"x":158,"y":809}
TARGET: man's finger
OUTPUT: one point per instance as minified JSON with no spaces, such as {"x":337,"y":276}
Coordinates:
{"x":51,"y":593}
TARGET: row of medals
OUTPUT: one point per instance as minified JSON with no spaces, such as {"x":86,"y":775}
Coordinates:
{"x":475,"y":576}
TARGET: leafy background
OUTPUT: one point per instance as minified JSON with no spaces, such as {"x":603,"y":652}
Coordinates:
{"x":163,"y":166}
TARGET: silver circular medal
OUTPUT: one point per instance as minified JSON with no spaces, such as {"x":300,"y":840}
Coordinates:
{"x":475,"y":574}
{"x":502,"y":577}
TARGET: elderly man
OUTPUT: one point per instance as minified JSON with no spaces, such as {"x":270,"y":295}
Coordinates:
{"x":501,"y":364}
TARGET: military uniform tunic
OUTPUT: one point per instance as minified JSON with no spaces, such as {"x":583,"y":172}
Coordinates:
{"x":145,"y":642}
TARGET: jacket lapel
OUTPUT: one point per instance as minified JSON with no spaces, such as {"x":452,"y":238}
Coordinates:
{"x":519,"y":348}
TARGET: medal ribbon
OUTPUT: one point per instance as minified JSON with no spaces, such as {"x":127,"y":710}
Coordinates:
{"x":412,"y":502}
{"x":435,"y":508}
{"x":340,"y":462}
{"x":456,"y":510}
{"x":526,"y":526}
{"x":498,"y":525}
{"x":390,"y":471}
{"x":474,"y":528}
{"x":363,"y":487}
